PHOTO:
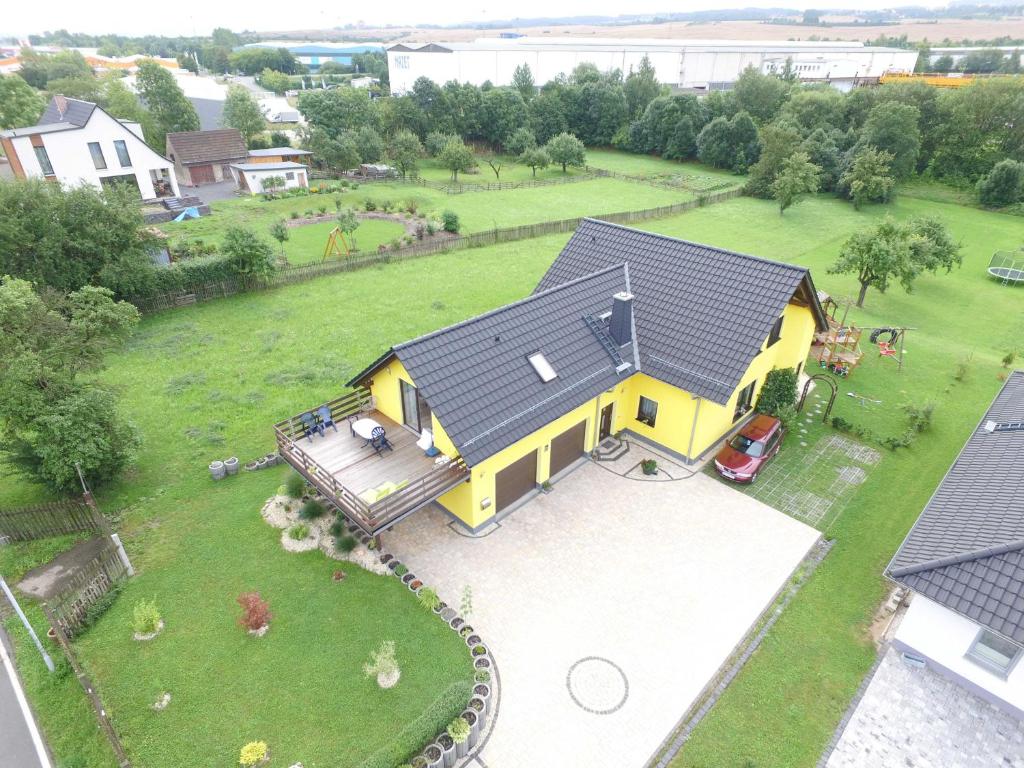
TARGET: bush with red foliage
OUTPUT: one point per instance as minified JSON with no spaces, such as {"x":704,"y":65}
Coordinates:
{"x":255,"y":611}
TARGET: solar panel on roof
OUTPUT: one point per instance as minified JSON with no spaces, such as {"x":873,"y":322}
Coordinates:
{"x":542,"y":367}
{"x":1004,"y":426}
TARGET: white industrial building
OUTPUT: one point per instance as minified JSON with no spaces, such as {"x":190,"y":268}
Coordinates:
{"x":684,"y":64}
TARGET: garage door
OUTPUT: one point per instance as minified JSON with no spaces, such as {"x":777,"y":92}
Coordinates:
{"x":567,"y":447}
{"x":202,"y":174}
{"x":514,"y":481}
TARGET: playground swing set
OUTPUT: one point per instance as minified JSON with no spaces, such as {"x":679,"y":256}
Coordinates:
{"x":336,"y":241}
{"x":837,"y":349}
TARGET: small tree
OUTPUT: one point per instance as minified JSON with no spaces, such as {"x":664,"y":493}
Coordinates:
{"x":404,"y":152}
{"x":565,"y":149}
{"x":1004,"y":185}
{"x":248,"y":254}
{"x":869,"y":178}
{"x":145,"y":617}
{"x":496,"y":166}
{"x":520,"y":140}
{"x":535,"y":158}
{"x":277,"y":82}
{"x":255,"y":612}
{"x":273,"y":183}
{"x":383,"y":665}
{"x":279,"y":231}
{"x":456,"y":157}
{"x":242,"y":112}
{"x":348,"y":223}
{"x":436,"y":142}
{"x":778,"y":392}
{"x":798,"y":177}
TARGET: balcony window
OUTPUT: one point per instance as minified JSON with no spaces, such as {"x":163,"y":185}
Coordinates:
{"x":994,"y":653}
{"x":97,"y":156}
{"x":776,"y":332}
{"x":647,"y":413}
{"x":122,"y":154}
{"x":44,"y":160}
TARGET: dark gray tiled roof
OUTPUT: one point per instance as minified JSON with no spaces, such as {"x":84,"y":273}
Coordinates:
{"x":480,"y":384}
{"x":222,"y":145}
{"x":702,"y":313}
{"x":77,"y":112}
{"x":966,"y":550}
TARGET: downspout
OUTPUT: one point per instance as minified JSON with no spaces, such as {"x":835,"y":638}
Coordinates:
{"x":693,"y":428}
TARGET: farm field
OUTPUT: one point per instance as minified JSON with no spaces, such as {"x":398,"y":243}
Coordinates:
{"x":209,"y":381}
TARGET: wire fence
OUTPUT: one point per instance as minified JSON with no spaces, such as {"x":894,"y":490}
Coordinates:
{"x":459,"y":187}
{"x":302,"y":272}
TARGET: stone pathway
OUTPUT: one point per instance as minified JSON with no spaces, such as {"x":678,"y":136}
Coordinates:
{"x":915,"y":718}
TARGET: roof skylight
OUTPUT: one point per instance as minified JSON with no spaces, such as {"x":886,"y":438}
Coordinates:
{"x":542,"y":367}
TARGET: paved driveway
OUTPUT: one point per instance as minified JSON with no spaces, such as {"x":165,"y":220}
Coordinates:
{"x":608,"y":604}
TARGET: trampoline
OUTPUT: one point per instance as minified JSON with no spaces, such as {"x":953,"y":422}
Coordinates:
{"x":1007,"y":267}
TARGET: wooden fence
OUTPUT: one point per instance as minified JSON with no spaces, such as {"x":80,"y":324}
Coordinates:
{"x":44,"y":520}
{"x":90,"y":583}
{"x":303,"y":272}
{"x":459,"y":187}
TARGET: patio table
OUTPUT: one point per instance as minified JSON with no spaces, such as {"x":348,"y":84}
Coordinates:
{"x":364,"y":427}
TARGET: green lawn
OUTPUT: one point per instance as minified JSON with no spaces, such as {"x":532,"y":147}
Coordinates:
{"x":306,"y":243}
{"x":477,"y":210}
{"x":696,"y":176}
{"x":510,"y":170}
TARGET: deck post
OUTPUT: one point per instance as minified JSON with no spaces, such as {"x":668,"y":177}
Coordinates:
{"x":376,"y":541}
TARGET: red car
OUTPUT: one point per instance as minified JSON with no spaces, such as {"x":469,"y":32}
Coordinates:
{"x":750,"y":449}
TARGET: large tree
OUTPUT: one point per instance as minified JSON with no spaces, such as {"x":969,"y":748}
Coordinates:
{"x":275,"y":81}
{"x":170,"y":110}
{"x":869,"y":178}
{"x":52,"y":412}
{"x":797,"y":177}
{"x":456,"y":157}
{"x":897,"y":251}
{"x":404,"y":151}
{"x":503,"y":112}
{"x":20,"y":104}
{"x":761,"y":96}
{"x":641,"y":88}
{"x":338,"y":109}
{"x":242,"y":112}
{"x":1003,"y":186}
{"x":522,"y":81}
{"x":547,"y":116}
{"x":565,"y":150}
{"x":729,"y":143}
{"x":892,"y":127}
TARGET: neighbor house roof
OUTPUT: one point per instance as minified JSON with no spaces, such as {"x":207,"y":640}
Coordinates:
{"x":285,"y":166}
{"x":218,"y":146}
{"x":61,"y":114}
{"x":701,"y":313}
{"x":966,"y":550}
{"x":277,"y":151}
{"x":478,"y":379}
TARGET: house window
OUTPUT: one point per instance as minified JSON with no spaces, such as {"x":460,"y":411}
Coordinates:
{"x":401,"y":62}
{"x":994,"y":653}
{"x":647,"y":413}
{"x":44,"y":160}
{"x":122,"y":154}
{"x":776,"y":332}
{"x":290,"y":176}
{"x":743,"y":401}
{"x":97,"y":156}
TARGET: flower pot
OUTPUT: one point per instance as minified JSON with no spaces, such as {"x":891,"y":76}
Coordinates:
{"x":482,"y":662}
{"x":231,"y":465}
{"x":271,"y":459}
{"x":261,"y":463}
{"x":386,"y":558}
{"x":470,"y":716}
{"x":434,"y":755}
{"x":473,"y":641}
{"x":447,"y":745}
{"x":415,"y":585}
{"x":462,"y":749}
{"x":478,"y":650}
{"x":456,"y":622}
{"x":251,"y":466}
{"x":480,"y":707}
{"x":217,"y":471}
{"x":440,"y":607}
{"x":409,"y":578}
{"x":419,"y":762}
{"x":392,"y":564}
{"x":483,"y":691}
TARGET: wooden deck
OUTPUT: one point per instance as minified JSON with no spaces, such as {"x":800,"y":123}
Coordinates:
{"x":357,"y":466}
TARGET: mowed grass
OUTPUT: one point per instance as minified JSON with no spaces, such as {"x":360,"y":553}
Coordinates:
{"x":307,"y":243}
{"x":477,"y":210}
{"x":696,"y":175}
{"x":509,"y":171}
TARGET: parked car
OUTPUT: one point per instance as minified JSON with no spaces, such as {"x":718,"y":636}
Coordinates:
{"x":746,"y":453}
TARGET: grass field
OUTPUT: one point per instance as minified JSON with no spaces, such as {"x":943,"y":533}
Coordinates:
{"x":208,"y":381}
{"x":306,"y":243}
{"x":510,"y":170}
{"x":695,"y":176}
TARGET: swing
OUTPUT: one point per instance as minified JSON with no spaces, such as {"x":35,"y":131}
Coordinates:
{"x":336,"y":240}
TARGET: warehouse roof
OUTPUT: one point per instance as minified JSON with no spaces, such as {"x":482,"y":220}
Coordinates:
{"x":966,"y":550}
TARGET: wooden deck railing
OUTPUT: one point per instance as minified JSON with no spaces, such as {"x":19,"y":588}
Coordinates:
{"x":381,"y":514}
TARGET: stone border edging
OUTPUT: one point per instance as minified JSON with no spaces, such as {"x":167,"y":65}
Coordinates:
{"x":672,"y":745}
{"x":584,"y":707}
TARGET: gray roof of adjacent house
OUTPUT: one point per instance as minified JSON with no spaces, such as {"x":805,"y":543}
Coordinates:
{"x":966,"y":550}
{"x":277,"y":152}
{"x":701,"y":313}
{"x":288,"y":165}
{"x":217,"y":146}
{"x":477,"y":376}
{"x":61,"y":114}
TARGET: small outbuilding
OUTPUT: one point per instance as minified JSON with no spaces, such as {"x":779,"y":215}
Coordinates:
{"x":253,"y":177}
{"x":278,"y":155}
{"x":205,"y":157}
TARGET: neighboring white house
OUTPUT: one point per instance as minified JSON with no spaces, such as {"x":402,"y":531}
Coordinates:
{"x":252,"y":177}
{"x":964,"y":562}
{"x":77,"y":142}
{"x":690,"y":64}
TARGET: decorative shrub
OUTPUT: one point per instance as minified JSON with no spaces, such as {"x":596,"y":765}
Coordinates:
{"x":337,"y":528}
{"x":649,"y":466}
{"x":428,"y":598}
{"x":294,"y":214}
{"x":253,"y":753}
{"x":255,"y":611}
{"x":145,"y":617}
{"x":919,"y":418}
{"x":482,"y":676}
{"x":298,"y":532}
{"x":369,"y":204}
{"x":779,"y":390}
{"x":312,"y":510}
{"x":450,"y":221}
{"x":411,"y":206}
{"x":382,"y":664}
{"x":345,"y":544}
{"x":401,"y":570}
{"x":458,"y":729}
{"x":295,"y":486}
{"x":788,"y":415}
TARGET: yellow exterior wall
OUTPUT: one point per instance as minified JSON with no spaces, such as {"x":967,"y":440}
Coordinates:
{"x":386,"y":390}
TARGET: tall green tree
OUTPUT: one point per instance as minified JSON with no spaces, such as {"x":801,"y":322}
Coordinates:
{"x":243,"y":113}
{"x":278,"y":82}
{"x":249,"y":255}
{"x":20,"y":104}
{"x":892,"y":128}
{"x":503,"y":112}
{"x":404,"y":152}
{"x":370,"y":144}
{"x":279,"y":231}
{"x":869,"y":178}
{"x":547,"y":116}
{"x":641,"y":88}
{"x":456,"y":157}
{"x":729,"y":143}
{"x":797,"y":177}
{"x":1004,"y":185}
{"x":522,"y":81}
{"x":778,"y":142}
{"x":166,"y":102}
{"x":339,"y":109}
{"x":761,"y":96}
{"x":565,"y":150}
{"x":521,"y":140}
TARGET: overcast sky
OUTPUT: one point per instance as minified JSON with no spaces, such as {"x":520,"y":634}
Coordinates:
{"x":187,"y":18}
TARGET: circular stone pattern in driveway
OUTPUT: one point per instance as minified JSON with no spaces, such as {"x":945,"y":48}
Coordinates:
{"x":597,"y":685}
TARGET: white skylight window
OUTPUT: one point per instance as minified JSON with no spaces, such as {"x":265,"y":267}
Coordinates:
{"x":542,"y":367}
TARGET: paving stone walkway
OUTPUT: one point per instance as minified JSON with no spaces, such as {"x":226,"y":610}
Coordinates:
{"x":915,"y":718}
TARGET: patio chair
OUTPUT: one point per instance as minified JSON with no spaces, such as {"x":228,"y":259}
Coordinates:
{"x":326,"y":420}
{"x":379,"y":441}
{"x":352,"y":419}
{"x":310,"y":425}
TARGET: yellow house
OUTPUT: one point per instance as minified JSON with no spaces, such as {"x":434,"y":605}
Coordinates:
{"x":628,"y":333}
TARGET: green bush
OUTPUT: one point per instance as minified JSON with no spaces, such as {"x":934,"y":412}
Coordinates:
{"x":401,"y":570}
{"x":312,"y":510}
{"x":428,"y":598}
{"x":450,"y":221}
{"x":337,"y":528}
{"x":99,"y":606}
{"x":919,"y":417}
{"x":345,"y":544}
{"x":298,"y":532}
{"x":295,"y":485}
{"x":779,"y":391}
{"x":369,"y":204}
{"x":145,"y":617}
{"x":458,"y":729}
